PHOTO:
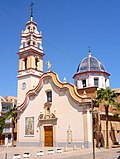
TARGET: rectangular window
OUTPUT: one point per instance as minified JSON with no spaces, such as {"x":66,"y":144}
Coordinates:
{"x":96,"y":82}
{"x":49,"y":96}
{"x":29,"y":126}
{"x":105,"y":82}
{"x":5,"y":108}
{"x":9,"y":138}
{"x":84,"y":83}
{"x":7,"y":128}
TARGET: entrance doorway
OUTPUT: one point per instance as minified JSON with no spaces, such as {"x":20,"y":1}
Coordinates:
{"x":2,"y":139}
{"x":48,"y":136}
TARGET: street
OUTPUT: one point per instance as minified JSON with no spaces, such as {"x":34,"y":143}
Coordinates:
{"x":112,"y":153}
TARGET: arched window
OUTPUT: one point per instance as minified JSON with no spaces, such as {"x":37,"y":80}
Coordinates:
{"x":23,"y":44}
{"x":29,"y":28}
{"x":36,"y":63}
{"x":28,"y":42}
{"x":84,"y":83}
{"x":33,"y":28}
{"x":33,"y":43}
{"x":25,"y":62}
{"x":39,"y":45}
{"x":49,"y":96}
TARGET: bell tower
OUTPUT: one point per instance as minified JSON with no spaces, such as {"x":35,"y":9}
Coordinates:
{"x":30,"y":58}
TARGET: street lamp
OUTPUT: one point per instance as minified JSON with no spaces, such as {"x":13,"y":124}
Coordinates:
{"x":93,"y":146}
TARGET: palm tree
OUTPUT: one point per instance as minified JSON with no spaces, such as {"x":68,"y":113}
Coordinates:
{"x":106,"y":96}
{"x":10,"y":114}
{"x":2,"y":123}
{"x":116,"y":110}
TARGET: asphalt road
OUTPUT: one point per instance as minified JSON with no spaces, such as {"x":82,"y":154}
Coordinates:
{"x":112,"y":153}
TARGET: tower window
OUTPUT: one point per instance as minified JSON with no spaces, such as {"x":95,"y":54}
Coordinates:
{"x":23,"y":44}
{"x":39,"y":45}
{"x":49,"y":96}
{"x":96,"y":82}
{"x":29,"y":28}
{"x":25,"y":63}
{"x":84,"y":83}
{"x":36,"y":63}
{"x":28,"y":43}
{"x":33,"y":28}
{"x":33,"y":43}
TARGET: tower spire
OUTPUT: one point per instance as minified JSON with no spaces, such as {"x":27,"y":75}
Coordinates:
{"x":31,"y":11}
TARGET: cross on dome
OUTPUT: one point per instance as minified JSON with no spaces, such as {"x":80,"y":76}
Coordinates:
{"x":89,"y":52}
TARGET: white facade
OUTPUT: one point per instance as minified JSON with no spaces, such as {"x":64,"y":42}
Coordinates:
{"x":30,"y":60}
{"x":90,"y":78}
{"x":51,"y":113}
{"x":68,"y":117}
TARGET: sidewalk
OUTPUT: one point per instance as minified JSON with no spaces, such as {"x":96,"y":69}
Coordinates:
{"x":111,"y":153}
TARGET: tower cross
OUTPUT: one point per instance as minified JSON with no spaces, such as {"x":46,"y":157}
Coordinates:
{"x":31,"y":9}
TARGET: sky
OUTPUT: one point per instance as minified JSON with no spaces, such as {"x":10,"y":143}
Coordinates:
{"x":69,"y":27}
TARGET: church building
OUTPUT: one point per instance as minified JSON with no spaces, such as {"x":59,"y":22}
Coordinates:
{"x":51,"y":112}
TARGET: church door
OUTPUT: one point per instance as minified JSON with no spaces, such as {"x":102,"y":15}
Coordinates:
{"x":2,"y":139}
{"x":48,"y":136}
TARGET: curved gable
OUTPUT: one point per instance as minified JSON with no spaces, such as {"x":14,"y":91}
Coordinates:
{"x":61,"y":85}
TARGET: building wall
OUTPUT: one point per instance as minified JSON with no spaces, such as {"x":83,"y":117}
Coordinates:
{"x":7,"y":137}
{"x":30,"y":83}
{"x":113,"y":129}
{"x":69,"y":114}
{"x":103,"y":81}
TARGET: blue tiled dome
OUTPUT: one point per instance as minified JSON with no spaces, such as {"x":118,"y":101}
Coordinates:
{"x":90,"y":63}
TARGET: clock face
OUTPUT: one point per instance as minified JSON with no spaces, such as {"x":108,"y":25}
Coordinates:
{"x":23,"y":85}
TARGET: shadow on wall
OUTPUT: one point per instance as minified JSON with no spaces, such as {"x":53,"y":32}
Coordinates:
{"x":99,"y":139}
{"x":98,"y":134}
{"x":112,"y":134}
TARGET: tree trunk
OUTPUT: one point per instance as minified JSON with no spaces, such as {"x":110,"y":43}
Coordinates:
{"x":107,"y":142}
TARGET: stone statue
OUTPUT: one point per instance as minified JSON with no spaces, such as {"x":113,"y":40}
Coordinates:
{"x":48,"y":65}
